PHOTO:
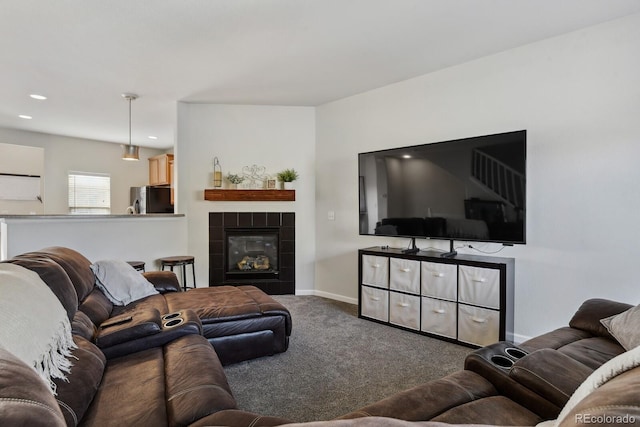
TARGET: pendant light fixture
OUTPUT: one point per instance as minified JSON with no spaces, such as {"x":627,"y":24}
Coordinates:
{"x":131,"y":152}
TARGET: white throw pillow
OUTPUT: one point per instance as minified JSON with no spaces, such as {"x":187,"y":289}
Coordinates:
{"x":120,"y":282}
{"x":625,"y":327}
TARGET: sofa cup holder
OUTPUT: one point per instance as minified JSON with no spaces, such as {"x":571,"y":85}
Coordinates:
{"x":501,"y":361}
{"x":503,"y":355}
{"x":171,"y":315}
{"x":515,"y":353}
{"x":172,"y":323}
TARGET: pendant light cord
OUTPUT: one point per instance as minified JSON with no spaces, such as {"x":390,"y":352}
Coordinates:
{"x":129,"y":121}
{"x":131,"y":151}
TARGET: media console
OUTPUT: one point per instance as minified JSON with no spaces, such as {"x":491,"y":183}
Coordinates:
{"x":465,"y":299}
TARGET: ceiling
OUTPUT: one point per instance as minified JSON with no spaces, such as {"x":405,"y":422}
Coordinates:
{"x":83,"y":54}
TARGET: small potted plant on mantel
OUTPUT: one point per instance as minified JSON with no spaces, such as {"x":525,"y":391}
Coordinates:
{"x":287,"y":177}
{"x":234,"y":180}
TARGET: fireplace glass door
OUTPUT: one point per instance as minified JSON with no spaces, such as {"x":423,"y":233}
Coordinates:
{"x":252,"y":253}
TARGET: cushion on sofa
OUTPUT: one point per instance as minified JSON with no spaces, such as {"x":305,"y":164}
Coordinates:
{"x":430,"y":399}
{"x":76,"y":265}
{"x":591,"y":311}
{"x":550,"y":374}
{"x":132,"y":392}
{"x":173,"y":385}
{"x":75,"y":395}
{"x":82,"y":326}
{"x":501,"y":410}
{"x":54,"y":276}
{"x":222,"y":303}
{"x":237,"y":417}
{"x":25,"y":399}
{"x":97,"y":306}
{"x":120,"y":282}
{"x":600,"y":378}
{"x":593,"y":351}
{"x":163,"y":281}
{"x":555,"y":339}
{"x":196,"y":385}
{"x":625,"y":327}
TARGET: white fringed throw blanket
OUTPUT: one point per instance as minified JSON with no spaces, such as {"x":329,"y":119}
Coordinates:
{"x":33,"y":323}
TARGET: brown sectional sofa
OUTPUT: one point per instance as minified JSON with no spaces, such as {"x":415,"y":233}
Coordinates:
{"x":240,"y":322}
{"x":534,"y":386}
{"x":181,"y":381}
{"x":132,"y":367}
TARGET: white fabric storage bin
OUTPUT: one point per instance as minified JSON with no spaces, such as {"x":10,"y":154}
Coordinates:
{"x":479,"y":326}
{"x":439,"y":280}
{"x":375,"y":271}
{"x":479,"y":286}
{"x":375,"y":303}
{"x":439,"y":317}
{"x":404,"y":310}
{"x":404,"y":275}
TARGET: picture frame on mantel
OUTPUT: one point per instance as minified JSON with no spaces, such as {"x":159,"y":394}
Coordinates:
{"x":271,"y":184}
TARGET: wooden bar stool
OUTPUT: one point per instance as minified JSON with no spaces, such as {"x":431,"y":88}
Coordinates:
{"x":181,"y":261}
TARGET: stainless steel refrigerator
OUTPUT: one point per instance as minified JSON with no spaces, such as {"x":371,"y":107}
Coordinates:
{"x":149,"y":199}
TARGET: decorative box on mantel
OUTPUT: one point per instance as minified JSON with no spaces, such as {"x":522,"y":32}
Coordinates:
{"x":216,"y":195}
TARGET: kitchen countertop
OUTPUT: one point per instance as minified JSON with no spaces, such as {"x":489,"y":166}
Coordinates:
{"x":67,"y":216}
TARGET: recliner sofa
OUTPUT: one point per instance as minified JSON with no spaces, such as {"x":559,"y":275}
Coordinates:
{"x":241,"y":322}
{"x":148,"y":363}
{"x":500,"y":386}
{"x":182,"y":382}
{"x":516,"y":385}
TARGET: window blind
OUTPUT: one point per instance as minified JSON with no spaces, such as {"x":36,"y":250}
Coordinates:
{"x":89,"y":193}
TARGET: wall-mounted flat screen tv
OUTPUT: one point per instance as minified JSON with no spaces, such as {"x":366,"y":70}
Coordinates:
{"x":471,"y":189}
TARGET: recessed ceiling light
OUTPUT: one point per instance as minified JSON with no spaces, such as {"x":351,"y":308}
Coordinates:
{"x":38,"y":97}
{"x":153,"y":137}
{"x":24,"y":116}
{"x":406,"y":156}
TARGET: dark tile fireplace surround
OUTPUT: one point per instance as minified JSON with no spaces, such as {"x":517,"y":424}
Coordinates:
{"x":253,"y":248}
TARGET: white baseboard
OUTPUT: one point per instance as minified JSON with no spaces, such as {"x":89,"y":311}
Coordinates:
{"x":518,"y":338}
{"x":327,"y":295}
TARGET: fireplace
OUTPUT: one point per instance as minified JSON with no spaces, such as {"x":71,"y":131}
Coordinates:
{"x":252,"y":253}
{"x":253,"y":248}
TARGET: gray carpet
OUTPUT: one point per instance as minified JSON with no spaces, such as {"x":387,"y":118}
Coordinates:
{"x":337,"y":363}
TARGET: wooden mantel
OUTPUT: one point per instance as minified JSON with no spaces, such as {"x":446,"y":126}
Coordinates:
{"x":216,"y":195}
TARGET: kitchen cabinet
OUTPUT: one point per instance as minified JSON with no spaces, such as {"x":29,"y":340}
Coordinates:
{"x":161,"y":169}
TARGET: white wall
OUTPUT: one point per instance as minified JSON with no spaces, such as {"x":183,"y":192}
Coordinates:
{"x":63,"y":154}
{"x":578,"y":96}
{"x":129,"y":238}
{"x":243,"y":135}
{"x":21,"y":199}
